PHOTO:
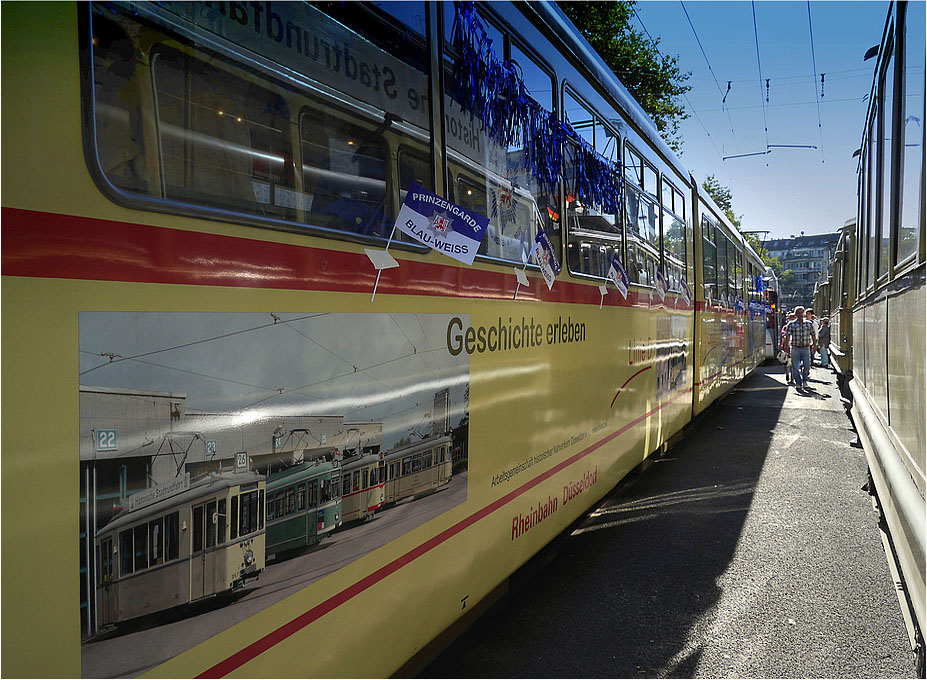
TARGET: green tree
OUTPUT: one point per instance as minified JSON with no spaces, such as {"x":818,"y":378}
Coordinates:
{"x":723,"y":197}
{"x":653,"y":78}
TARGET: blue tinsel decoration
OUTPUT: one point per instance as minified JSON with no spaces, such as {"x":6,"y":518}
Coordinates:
{"x":492,"y":91}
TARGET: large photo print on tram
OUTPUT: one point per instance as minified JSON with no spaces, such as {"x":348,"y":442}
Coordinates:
{"x":229,"y":460}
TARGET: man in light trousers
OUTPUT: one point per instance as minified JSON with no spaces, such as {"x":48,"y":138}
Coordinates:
{"x":802,"y":339}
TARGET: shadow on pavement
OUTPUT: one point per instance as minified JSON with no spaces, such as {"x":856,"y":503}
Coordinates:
{"x":618,"y":595}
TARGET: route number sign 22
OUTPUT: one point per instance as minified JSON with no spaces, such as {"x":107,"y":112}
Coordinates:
{"x":106,"y":440}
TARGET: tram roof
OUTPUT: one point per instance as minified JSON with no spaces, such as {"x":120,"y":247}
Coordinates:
{"x":201,"y":487}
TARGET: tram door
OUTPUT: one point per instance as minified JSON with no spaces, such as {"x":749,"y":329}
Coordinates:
{"x":204,"y":555}
{"x":107,"y":592}
{"x":441,"y":454}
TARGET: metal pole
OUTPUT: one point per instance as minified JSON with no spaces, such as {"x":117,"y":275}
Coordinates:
{"x":96,"y":623}
{"x":88,"y":551}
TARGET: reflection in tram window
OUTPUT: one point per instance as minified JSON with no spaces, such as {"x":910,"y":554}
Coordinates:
{"x":173,"y":121}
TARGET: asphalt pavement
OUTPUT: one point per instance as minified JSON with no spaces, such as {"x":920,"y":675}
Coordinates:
{"x":748,"y":550}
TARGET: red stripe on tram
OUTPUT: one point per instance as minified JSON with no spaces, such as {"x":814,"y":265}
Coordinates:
{"x":52,"y":245}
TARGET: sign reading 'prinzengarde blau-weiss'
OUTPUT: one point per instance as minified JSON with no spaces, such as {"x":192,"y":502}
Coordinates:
{"x":441,"y":225}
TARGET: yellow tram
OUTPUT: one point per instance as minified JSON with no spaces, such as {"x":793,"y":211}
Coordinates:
{"x":195,"y":198}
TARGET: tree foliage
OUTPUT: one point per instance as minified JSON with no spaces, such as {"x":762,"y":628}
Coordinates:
{"x":723,"y":197}
{"x":653,"y":78}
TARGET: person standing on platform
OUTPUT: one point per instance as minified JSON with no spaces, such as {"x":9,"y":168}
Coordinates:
{"x":784,"y":346}
{"x":802,"y":340}
{"x":824,"y":341}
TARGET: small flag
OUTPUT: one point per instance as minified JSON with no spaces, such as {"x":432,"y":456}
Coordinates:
{"x":546,"y":258}
{"x":619,"y":276}
{"x":553,"y":214}
{"x":660,"y":284}
{"x":686,"y":293}
{"x":441,"y":225}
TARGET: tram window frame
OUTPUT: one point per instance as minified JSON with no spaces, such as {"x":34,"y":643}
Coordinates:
{"x":643,"y":248}
{"x":911,"y":160}
{"x":675,"y":196}
{"x":707,"y":231}
{"x":492,"y":178}
{"x":886,"y":103}
{"x":875,"y":198}
{"x":275,"y":74}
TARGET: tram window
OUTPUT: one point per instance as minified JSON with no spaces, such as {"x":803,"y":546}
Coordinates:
{"x":416,"y":463}
{"x":211,"y":524}
{"x":709,"y":258}
{"x":141,"y":547}
{"x":887,"y":102}
{"x":117,"y":73}
{"x":125,"y":553}
{"x":426,"y":460}
{"x":674,"y":237}
{"x":633,"y":167}
{"x":156,"y":541}
{"x":912,"y":160}
{"x":364,"y":481}
{"x":106,"y":561}
{"x":650,"y":180}
{"x":642,"y":232}
{"x":414,"y":167}
{"x":233,"y":531}
{"x":406,"y":466}
{"x":220,"y":528}
{"x":344,"y":172}
{"x":721,"y":242}
{"x":313,"y":485}
{"x":172,"y":536}
{"x":224,"y":141}
{"x":197,"y":528}
{"x":874,"y":198}
{"x":251,"y":514}
{"x":355,"y":481}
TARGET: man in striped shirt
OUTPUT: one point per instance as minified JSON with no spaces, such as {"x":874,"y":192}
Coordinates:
{"x":803,"y":340}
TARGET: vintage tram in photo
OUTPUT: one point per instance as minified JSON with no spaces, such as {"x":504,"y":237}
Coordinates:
{"x":178,"y":543}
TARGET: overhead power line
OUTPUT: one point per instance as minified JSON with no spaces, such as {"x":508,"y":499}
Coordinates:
{"x":691,"y":108}
{"x":814,"y":69}
{"x":759,"y":67}
{"x":710,"y":70}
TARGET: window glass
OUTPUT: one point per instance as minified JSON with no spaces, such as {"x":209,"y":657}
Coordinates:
{"x":344,"y":174}
{"x":222,"y":522}
{"x":496,"y":181}
{"x":862,"y":237}
{"x":212,"y":521}
{"x":721,"y":242}
{"x":356,"y":480}
{"x":888,"y":80}
{"x":633,"y":167}
{"x":912,"y":165}
{"x":875,"y":200}
{"x":233,"y":531}
{"x":141,"y":547}
{"x":674,"y":250}
{"x":364,"y":482}
{"x":593,"y":236}
{"x":407,"y":465}
{"x":126,"y":552}
{"x":156,"y":541}
{"x":219,"y":135}
{"x":650,"y":180}
{"x":198,"y":528}
{"x":709,"y":258}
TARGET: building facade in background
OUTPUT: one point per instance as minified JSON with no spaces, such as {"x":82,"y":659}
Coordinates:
{"x":810,"y":258}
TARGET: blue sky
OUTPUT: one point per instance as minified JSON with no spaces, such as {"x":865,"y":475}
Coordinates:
{"x":789,"y":190}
